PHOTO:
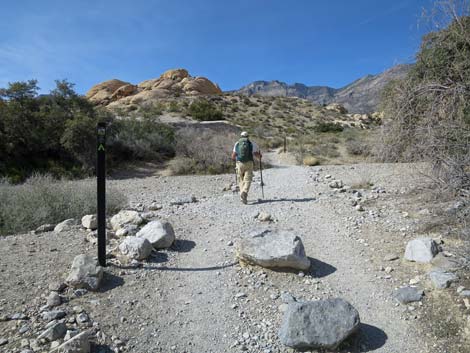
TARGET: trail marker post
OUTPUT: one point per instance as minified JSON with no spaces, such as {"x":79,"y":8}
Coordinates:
{"x":285,"y":144}
{"x":101,"y":191}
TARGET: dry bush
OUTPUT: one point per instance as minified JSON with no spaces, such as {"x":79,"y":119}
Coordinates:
{"x":311,"y":161}
{"x":428,"y":113}
{"x":42,"y":199}
{"x":203,"y":151}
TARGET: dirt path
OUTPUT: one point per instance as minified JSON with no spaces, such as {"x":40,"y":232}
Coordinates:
{"x":195,"y":298}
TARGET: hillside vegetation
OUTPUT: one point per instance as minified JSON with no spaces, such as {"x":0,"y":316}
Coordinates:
{"x":428,"y":112}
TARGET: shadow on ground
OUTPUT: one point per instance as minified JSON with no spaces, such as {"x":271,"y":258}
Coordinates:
{"x":110,"y":282}
{"x":181,"y":245}
{"x":189,"y":269}
{"x":367,"y":339}
{"x":306,"y":199}
{"x":319,"y":269}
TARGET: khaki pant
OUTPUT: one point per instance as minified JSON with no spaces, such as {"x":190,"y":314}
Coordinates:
{"x":245,"y":176}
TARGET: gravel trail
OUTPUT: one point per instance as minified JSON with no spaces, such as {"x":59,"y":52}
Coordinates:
{"x":196,"y":298}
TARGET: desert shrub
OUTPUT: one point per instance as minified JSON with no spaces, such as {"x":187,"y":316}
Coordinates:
{"x":43,"y":199}
{"x":174,"y":107}
{"x":132,"y":139}
{"x":203,"y":151}
{"x":325,"y":126}
{"x":152,"y":110}
{"x":204,"y":110}
{"x":357,"y":148}
{"x":427,"y":114}
{"x":310,"y":161}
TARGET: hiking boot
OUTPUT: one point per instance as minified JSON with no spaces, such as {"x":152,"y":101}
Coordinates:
{"x":243,"y":197}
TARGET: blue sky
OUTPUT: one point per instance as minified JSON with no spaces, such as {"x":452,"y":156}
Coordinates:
{"x":316,"y":42}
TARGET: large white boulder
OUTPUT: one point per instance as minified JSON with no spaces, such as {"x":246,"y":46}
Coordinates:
{"x":85,"y":273}
{"x":90,"y":222}
{"x":421,"y":250}
{"x":159,"y":233}
{"x":125,"y":217}
{"x":273,"y":249}
{"x":321,"y":324}
{"x":136,"y":248}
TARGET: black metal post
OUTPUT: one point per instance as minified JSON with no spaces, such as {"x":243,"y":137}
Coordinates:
{"x":285,"y":144}
{"x":101,"y":191}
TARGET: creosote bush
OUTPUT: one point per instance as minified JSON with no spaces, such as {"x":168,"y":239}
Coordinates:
{"x":204,"y":110}
{"x":43,"y":199}
{"x":202,"y":151}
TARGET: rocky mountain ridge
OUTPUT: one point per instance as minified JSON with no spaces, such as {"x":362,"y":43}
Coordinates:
{"x":360,"y":96}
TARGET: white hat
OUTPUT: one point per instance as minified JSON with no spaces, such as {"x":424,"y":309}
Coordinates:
{"x":244,"y":134}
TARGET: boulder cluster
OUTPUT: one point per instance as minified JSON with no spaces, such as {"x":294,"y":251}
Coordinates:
{"x":172,"y":83}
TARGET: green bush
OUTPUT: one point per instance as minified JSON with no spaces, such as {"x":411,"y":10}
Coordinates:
{"x":204,"y":110}
{"x":150,"y":111}
{"x":132,"y":139}
{"x":328,"y":127}
{"x":43,"y":199}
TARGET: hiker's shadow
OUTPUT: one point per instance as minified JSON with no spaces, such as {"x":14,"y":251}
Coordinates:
{"x":368,"y":338}
{"x":319,"y":269}
{"x":305,"y":199}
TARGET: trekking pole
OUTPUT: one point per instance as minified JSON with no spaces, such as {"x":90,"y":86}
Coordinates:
{"x":236,"y":175}
{"x":261,"y":173}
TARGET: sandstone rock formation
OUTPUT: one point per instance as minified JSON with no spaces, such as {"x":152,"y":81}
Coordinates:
{"x":170,"y":83}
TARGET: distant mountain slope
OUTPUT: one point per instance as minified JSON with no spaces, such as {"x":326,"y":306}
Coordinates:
{"x":360,"y":96}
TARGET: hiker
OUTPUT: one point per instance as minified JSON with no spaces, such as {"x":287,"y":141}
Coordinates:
{"x":243,"y":153}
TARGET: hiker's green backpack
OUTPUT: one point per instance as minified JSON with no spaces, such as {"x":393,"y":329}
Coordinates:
{"x":244,"y":150}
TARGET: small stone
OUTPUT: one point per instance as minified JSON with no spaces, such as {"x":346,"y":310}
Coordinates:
{"x":53,"y":315}
{"x":78,"y":309}
{"x":45,"y":228}
{"x":55,"y":344}
{"x":391,"y":257}
{"x":230,"y":243}
{"x":155,"y":206}
{"x":465,"y":293}
{"x":53,"y":299}
{"x":18,"y":316}
{"x":77,"y":344}
{"x":57,"y":286}
{"x":90,"y":222}
{"x":82,"y":318}
{"x":54,"y":332}
{"x":70,"y":334}
{"x":80,"y":292}
{"x":264,"y":217}
{"x":240,"y":295}
{"x":23,"y":329}
{"x":441,"y":279}
{"x":359,"y":208}
{"x":407,"y":295}
{"x":3,"y":341}
{"x":183,"y":200}
{"x":65,"y":226}
{"x":388,"y":269}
